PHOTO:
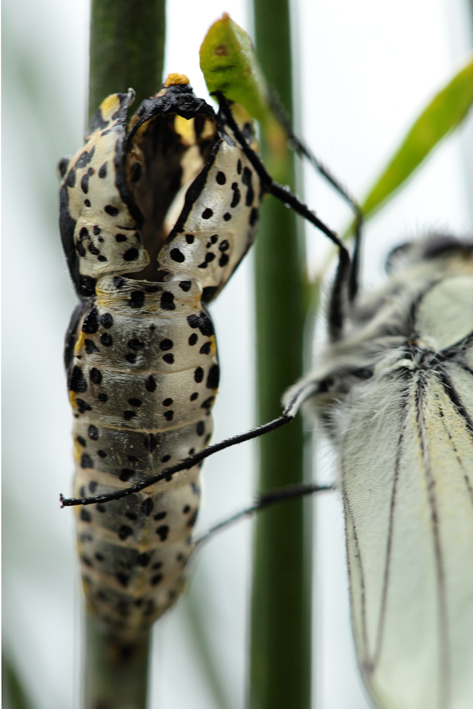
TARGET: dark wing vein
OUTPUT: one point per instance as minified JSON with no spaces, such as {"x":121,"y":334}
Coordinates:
{"x":382,"y":614}
{"x":362,"y":576}
{"x":444,"y":655}
{"x":455,"y":398}
{"x":466,"y":477}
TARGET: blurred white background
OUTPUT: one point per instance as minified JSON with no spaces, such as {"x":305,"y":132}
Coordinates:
{"x":365,"y":71}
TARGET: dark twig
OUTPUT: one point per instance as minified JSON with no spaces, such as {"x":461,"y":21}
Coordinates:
{"x":286,"y":417}
{"x":289,"y":492}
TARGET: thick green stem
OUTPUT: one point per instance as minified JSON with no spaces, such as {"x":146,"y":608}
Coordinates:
{"x":116,"y":673}
{"x":14,"y":694}
{"x":281,"y":618}
{"x":126,"y":48}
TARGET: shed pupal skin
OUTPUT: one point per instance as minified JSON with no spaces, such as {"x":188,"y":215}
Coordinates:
{"x":395,"y":394}
{"x":155,"y":217}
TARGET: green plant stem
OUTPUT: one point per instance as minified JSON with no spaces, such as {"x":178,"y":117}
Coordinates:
{"x":126,"y":48}
{"x":116,"y":673}
{"x":196,"y":608}
{"x":281,"y":619}
{"x":14,"y":692}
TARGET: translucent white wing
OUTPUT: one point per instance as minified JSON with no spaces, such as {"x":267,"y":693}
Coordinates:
{"x":407,"y":472}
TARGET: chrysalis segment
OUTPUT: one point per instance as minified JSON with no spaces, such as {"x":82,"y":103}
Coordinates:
{"x":99,"y":233}
{"x":172,"y":209}
{"x":397,"y":396}
{"x":227,"y":210}
{"x":142,"y":384}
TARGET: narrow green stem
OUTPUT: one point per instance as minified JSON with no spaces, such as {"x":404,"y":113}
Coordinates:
{"x":126,"y":48}
{"x":14,"y":693}
{"x":281,"y":618}
{"x":116,"y":673}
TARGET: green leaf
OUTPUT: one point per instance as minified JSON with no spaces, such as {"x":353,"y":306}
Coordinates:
{"x":229,"y":64}
{"x":444,"y":113}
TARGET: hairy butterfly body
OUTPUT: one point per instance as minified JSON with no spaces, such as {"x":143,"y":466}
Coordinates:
{"x":395,"y":393}
{"x":154,"y":220}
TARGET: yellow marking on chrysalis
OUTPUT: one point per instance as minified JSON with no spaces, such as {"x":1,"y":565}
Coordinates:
{"x":72,"y":399}
{"x":80,"y":343}
{"x":208,"y":130}
{"x":185,"y":128}
{"x":109,"y":106}
{"x":195,"y":301}
{"x":77,"y":451}
{"x":134,"y":119}
{"x":176,"y":79}
{"x":213,"y":345}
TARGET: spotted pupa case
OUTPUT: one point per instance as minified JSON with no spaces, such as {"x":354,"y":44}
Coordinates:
{"x":155,"y":217}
